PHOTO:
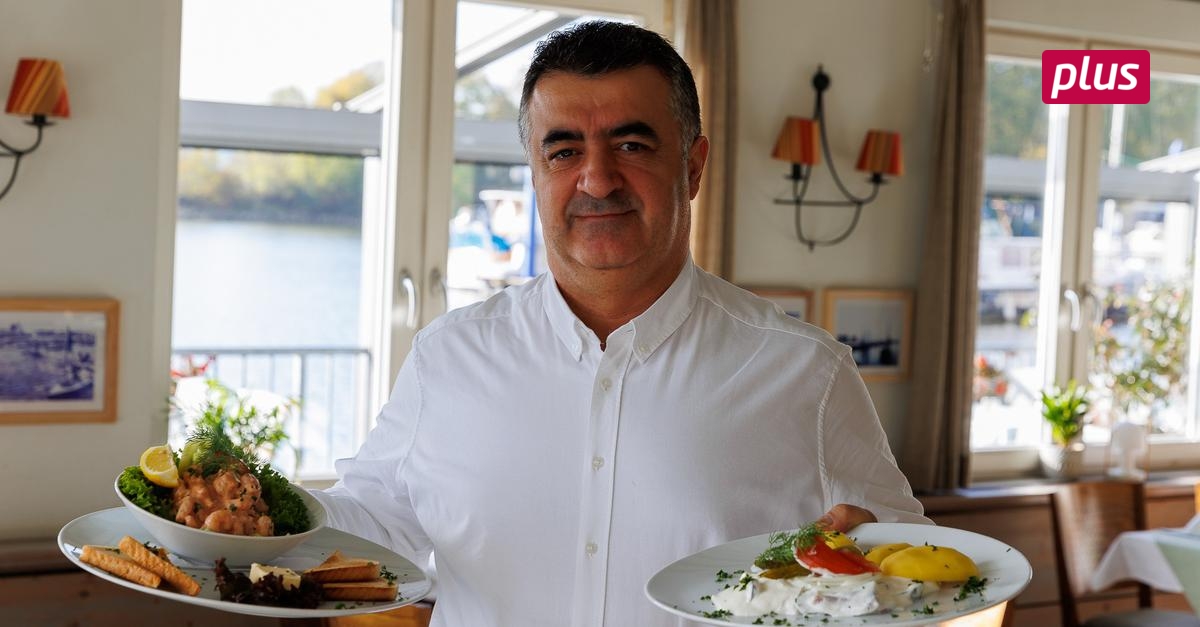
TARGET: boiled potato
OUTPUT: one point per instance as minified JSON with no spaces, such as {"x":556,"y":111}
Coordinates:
{"x":929,"y":563}
{"x":879,"y":553}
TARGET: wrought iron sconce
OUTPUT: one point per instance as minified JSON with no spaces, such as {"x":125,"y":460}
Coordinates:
{"x":798,"y":145}
{"x":39,"y":90}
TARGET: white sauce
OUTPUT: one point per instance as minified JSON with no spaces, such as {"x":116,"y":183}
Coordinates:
{"x":836,"y":595}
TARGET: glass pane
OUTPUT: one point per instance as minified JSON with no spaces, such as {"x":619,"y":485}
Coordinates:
{"x":267,"y":274}
{"x":1143,"y":251}
{"x":495,"y":237}
{"x":296,"y":53}
{"x":1007,"y":378}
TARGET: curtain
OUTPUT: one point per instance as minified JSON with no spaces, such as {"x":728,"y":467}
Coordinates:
{"x":947,"y":293}
{"x":710,"y":48}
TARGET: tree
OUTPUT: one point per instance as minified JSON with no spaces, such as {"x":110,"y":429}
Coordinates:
{"x":477,"y":98}
{"x":1017,"y":120}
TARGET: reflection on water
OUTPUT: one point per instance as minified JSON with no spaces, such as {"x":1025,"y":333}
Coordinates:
{"x":253,"y":285}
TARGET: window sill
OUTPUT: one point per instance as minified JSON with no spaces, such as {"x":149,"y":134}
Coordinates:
{"x":1022,"y":464}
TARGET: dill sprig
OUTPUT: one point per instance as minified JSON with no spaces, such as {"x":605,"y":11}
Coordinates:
{"x":783,"y":544}
{"x":214,"y":450}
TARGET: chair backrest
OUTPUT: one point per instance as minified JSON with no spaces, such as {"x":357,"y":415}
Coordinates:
{"x":1087,"y":517}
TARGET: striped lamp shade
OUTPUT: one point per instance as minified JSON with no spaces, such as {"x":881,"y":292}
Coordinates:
{"x":798,"y":142}
{"x":39,"y":88}
{"x":881,"y":154}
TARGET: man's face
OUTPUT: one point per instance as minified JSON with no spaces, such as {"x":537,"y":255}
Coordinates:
{"x":613,"y":182}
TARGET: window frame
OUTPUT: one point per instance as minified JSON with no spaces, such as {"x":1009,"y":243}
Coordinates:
{"x":1073,"y":180}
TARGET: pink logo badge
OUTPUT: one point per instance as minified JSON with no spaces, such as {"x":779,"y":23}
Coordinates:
{"x":1096,"y":76}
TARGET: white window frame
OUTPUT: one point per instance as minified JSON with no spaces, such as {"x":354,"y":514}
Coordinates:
{"x":1071,"y":179}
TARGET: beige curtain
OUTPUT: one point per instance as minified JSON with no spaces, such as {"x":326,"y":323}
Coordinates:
{"x":710,"y":47}
{"x":936,"y":451}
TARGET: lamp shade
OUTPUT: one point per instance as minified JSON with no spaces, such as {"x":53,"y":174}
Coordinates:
{"x":39,"y":88}
{"x":881,"y":154}
{"x":798,"y":142}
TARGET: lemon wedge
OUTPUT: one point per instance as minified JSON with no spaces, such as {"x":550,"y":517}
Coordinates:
{"x":159,"y":467}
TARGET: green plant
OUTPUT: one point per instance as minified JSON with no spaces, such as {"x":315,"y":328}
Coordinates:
{"x":1144,"y":364}
{"x":1065,"y":410}
{"x":256,"y":433}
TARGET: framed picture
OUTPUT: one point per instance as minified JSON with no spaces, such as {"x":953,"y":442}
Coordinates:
{"x":876,"y":325}
{"x":58,"y":360}
{"x":794,"y":302}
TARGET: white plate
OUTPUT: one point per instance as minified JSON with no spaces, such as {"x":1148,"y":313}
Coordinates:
{"x":107,"y":527}
{"x":678,"y":587}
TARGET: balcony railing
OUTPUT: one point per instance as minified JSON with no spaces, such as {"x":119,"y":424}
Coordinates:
{"x":332,"y":385}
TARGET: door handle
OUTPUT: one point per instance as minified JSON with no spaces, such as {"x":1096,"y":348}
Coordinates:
{"x":1072,"y":299}
{"x":404,"y":281}
{"x":438,"y":282}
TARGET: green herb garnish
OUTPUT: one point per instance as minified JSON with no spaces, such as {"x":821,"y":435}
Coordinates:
{"x":973,"y":585}
{"x":783,"y":545}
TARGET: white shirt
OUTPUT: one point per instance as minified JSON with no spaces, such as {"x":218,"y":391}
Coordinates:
{"x":552,"y":479}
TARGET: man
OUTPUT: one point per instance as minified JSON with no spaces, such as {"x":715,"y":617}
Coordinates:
{"x":559,"y":443}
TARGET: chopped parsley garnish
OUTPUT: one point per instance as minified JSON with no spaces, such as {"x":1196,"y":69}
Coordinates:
{"x":722,"y":575}
{"x":973,"y":585}
{"x":716,"y":614}
{"x":925,"y":610}
{"x":387,"y":574}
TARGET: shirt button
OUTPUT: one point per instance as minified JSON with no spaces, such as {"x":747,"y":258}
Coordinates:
{"x":591,"y":548}
{"x":605,"y":384}
{"x":642,"y":348}
{"x":597,"y":462}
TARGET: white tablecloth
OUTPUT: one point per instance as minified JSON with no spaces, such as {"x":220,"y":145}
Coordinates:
{"x":1136,"y":555}
{"x":1166,"y":559}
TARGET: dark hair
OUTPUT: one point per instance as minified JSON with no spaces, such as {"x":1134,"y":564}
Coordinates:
{"x":598,"y":47}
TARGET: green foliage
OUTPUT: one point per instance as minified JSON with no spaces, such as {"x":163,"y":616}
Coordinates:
{"x":1148,"y":367}
{"x":1150,"y":129}
{"x":477,"y":98}
{"x":1065,"y":411}
{"x":138,"y":489}
{"x":1017,"y":120}
{"x":228,"y":420}
{"x":287,"y":510}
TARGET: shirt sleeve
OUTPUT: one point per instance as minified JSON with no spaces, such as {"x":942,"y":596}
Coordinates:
{"x":371,"y":497}
{"x":857,"y":465}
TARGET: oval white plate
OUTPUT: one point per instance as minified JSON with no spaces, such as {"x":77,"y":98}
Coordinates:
{"x":107,"y":527}
{"x":678,"y":587}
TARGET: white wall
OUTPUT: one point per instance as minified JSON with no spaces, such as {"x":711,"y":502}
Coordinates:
{"x":872,"y":51}
{"x":85,"y":219}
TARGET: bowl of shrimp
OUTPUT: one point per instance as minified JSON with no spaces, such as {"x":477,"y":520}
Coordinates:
{"x":219,"y":519}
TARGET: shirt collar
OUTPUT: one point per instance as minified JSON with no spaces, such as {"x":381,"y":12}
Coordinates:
{"x":651,"y":328}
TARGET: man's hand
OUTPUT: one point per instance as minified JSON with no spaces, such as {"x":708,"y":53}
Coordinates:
{"x":844,"y":517}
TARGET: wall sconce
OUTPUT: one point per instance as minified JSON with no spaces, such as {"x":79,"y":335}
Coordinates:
{"x":39,"y":90}
{"x":797,"y":144}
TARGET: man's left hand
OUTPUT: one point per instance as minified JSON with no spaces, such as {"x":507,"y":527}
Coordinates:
{"x":844,"y":517}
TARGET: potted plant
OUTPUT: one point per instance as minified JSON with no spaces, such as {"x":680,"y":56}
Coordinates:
{"x":1065,"y":410}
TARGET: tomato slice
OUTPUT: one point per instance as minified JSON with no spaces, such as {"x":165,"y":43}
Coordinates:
{"x":838,"y":562}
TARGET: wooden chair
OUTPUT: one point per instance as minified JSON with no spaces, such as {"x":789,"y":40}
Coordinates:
{"x":1087,"y":516}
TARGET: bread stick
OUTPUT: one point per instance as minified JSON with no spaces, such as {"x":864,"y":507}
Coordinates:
{"x":149,"y":560}
{"x":112,"y":562}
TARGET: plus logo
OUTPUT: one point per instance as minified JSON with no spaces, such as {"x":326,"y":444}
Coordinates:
{"x":1096,"y":76}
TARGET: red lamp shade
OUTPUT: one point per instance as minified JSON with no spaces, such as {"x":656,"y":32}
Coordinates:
{"x":799,"y":142}
{"x":881,"y":154}
{"x":39,"y":88}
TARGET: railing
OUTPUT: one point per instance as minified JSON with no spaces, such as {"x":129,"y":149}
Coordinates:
{"x":332,"y":385}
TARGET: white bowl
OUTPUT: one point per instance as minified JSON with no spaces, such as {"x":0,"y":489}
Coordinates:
{"x":206,"y":546}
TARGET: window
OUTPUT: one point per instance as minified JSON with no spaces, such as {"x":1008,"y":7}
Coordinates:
{"x":278,"y":170}
{"x":328,"y":209}
{"x":1086,"y":267}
